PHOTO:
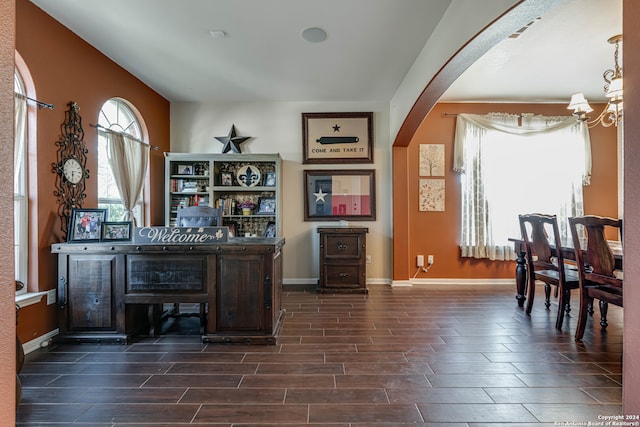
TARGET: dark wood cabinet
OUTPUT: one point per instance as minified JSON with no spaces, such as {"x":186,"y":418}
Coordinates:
{"x":343,"y":252}
{"x":105,"y":289}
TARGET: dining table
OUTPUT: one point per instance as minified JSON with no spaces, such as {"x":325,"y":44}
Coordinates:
{"x":568,"y":253}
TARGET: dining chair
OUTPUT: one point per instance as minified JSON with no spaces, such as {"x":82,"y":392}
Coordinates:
{"x":597,"y":272}
{"x":196,"y":216}
{"x":541,"y":237}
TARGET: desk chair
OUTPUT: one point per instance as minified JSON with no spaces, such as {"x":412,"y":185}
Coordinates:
{"x":197,"y":216}
{"x":596,"y":267}
{"x":541,"y":236}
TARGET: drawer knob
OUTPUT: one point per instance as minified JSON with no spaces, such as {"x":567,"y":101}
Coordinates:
{"x":344,"y":274}
{"x":341,"y":246}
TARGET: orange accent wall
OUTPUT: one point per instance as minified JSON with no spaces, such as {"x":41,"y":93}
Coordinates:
{"x":65,"y":68}
{"x":437,"y":233}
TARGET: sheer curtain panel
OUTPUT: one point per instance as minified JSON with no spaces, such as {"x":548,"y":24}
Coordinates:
{"x":513,"y":164}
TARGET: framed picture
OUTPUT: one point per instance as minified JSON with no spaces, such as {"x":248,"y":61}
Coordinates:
{"x":333,"y":195}
{"x":226,"y":178}
{"x":116,"y":231}
{"x":337,"y":138}
{"x":184,"y":169}
{"x":267,"y":206}
{"x":233,"y":228}
{"x":270,"y":179}
{"x":270,"y":229}
{"x":85,"y":225}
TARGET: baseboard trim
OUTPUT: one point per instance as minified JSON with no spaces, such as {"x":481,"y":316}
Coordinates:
{"x":41,"y":341}
{"x":454,"y":281}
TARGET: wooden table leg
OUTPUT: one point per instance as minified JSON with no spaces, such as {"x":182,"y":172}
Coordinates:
{"x":521,"y":278}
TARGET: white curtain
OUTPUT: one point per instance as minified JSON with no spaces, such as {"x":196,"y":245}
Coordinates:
{"x":128,"y":159}
{"x":512,"y":164}
{"x":20,"y":141}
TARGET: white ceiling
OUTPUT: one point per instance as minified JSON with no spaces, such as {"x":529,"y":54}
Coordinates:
{"x":370,"y":47}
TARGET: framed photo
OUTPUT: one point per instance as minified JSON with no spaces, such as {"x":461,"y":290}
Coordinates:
{"x":267,"y":206}
{"x":85,"y":225}
{"x":226,"y":178}
{"x":337,"y":138}
{"x":233,"y":228}
{"x":333,"y":195}
{"x":116,"y":231}
{"x":270,"y":179}
{"x":270,"y":229}
{"x":184,"y":169}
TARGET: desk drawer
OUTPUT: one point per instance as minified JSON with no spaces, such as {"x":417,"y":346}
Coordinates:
{"x":343,"y":246}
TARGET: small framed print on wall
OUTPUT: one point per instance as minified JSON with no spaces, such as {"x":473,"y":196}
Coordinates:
{"x":332,"y":195}
{"x":337,"y":138}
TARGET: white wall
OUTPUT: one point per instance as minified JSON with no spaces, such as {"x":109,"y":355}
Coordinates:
{"x":277,"y":128}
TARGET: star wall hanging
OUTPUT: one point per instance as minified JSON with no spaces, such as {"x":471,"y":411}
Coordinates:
{"x":232,"y":141}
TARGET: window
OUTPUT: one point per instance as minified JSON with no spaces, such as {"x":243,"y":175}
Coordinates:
{"x":115,"y":115}
{"x":511,"y":165}
{"x":20,"y":197}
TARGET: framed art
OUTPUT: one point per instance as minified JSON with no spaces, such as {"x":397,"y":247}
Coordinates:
{"x":85,"y":225}
{"x":334,"y":195}
{"x":184,"y":169}
{"x":337,"y":138}
{"x":116,"y":231}
{"x":226,"y":178}
{"x":270,"y":229}
{"x":233,"y":227}
{"x":267,"y":206}
{"x":270,"y":179}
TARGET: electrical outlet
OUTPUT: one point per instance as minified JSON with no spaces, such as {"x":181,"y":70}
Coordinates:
{"x":430,"y":260}
{"x":368,"y":259}
{"x":51,"y":296}
{"x":420,"y":261}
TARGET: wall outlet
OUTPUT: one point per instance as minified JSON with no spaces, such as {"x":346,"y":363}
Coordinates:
{"x":430,"y":260}
{"x":368,"y":259}
{"x":51,"y":296}
{"x":420,"y":261}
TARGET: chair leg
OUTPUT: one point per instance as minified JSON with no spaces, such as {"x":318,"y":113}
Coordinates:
{"x":562,"y":295}
{"x":531,"y":291}
{"x":547,"y":295}
{"x":604,"y":308}
{"x":585,"y":301}
{"x":567,"y":301}
{"x":590,"y":308}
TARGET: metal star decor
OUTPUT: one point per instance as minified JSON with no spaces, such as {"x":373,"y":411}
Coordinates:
{"x":232,"y":141}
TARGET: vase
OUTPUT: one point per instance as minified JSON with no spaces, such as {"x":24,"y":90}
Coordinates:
{"x":246,"y":211}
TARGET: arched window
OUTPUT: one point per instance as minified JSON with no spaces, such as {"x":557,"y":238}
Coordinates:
{"x":20,"y":196}
{"x":118,"y":116}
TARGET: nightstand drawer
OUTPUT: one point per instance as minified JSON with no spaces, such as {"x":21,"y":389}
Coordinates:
{"x":343,"y":246}
{"x":343,"y":276}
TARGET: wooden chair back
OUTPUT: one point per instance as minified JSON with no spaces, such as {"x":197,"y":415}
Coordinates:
{"x":199,"y":216}
{"x":593,"y":253}
{"x":539,"y":233}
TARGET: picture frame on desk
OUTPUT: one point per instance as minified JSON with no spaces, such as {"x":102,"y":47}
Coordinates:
{"x":270,"y":229}
{"x":85,"y":225}
{"x":233,"y":228}
{"x":116,"y":231}
{"x":226,"y":179}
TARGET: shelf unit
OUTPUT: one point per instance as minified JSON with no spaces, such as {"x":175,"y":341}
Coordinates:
{"x":224,"y":181}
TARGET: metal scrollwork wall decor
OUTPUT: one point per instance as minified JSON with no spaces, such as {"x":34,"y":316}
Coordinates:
{"x":71,"y":168}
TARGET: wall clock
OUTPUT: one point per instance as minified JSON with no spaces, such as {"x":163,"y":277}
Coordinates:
{"x":71,"y":167}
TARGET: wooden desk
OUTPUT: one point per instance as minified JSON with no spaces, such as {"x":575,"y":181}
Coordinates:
{"x":104,"y":289}
{"x":567,"y":252}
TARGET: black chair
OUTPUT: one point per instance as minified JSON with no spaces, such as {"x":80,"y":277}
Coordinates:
{"x":541,"y":237}
{"x":597,"y":267}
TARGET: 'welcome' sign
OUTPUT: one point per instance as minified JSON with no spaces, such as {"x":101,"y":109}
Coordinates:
{"x":181,"y":235}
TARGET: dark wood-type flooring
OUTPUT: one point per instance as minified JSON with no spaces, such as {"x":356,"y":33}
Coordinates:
{"x":424,"y":356}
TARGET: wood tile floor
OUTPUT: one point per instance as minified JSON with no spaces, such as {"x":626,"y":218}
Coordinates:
{"x":448,"y":356}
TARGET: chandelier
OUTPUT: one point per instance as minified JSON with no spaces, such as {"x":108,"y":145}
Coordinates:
{"x":612,"y":113}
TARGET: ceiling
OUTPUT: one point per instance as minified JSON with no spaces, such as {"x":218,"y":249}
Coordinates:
{"x":262,"y":57}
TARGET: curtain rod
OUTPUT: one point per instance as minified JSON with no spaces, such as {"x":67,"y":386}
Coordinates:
{"x":104,"y":129}
{"x":521,"y":115}
{"x":40,"y":104}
